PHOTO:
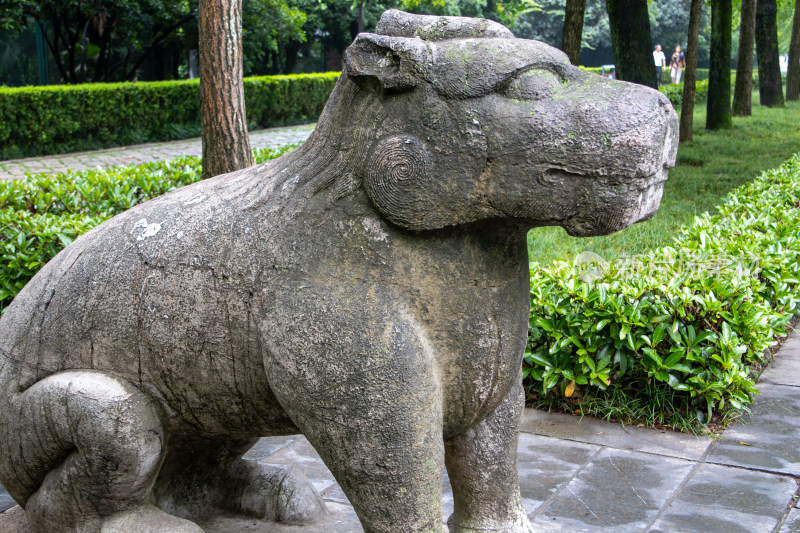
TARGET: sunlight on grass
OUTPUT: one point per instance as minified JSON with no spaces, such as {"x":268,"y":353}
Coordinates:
{"x":708,"y":168}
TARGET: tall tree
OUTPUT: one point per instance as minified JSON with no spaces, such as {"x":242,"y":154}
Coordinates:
{"x":718,"y":105}
{"x":226,"y":146}
{"x":743,"y":91}
{"x":793,"y":75}
{"x":573,"y":30}
{"x":770,"y":86}
{"x":690,"y":74}
{"x":630,"y":38}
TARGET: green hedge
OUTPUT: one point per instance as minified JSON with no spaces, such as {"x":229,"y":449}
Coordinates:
{"x":702,"y":73}
{"x":695,"y":317}
{"x":63,"y":118}
{"x":675,"y":92}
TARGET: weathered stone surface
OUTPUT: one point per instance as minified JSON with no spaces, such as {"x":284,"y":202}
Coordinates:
{"x":547,"y":464}
{"x":792,"y":523}
{"x":785,"y":368}
{"x":768,"y":439}
{"x":641,"y":483}
{"x":332,"y":293}
{"x":587,"y":429}
{"x":720,"y":498}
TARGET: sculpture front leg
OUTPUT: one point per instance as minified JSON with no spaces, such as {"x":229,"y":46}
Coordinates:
{"x":482,"y":465}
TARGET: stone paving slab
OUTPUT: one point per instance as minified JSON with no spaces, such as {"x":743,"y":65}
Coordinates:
{"x":619,"y":490}
{"x":594,"y":431}
{"x":720,"y":498}
{"x":768,"y":439}
{"x":142,"y":153}
{"x":792,"y":523}
{"x":546,"y":465}
{"x":785,"y":370}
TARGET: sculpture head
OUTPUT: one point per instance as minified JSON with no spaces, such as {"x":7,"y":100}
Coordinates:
{"x":463,"y":122}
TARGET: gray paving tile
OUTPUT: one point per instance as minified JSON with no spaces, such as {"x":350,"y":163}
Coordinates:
{"x":6,"y":501}
{"x":785,"y":369}
{"x":728,"y":500}
{"x":767,"y":440}
{"x":593,"y":431}
{"x":269,"y":445}
{"x":618,"y":491}
{"x":792,"y":523}
{"x":546,"y":464}
{"x":306,"y":459}
{"x":138,"y":154}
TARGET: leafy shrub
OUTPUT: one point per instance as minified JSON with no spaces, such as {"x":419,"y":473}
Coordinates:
{"x":42,"y":214}
{"x":696,"y":317}
{"x":674,"y":91}
{"x":62,"y":118}
{"x":29,"y":241}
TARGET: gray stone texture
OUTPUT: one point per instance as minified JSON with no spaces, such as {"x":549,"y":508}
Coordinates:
{"x":638,"y":486}
{"x":768,"y":438}
{"x":332,"y":293}
{"x":784,"y":370}
{"x":717,"y":498}
{"x":792,"y":523}
{"x":626,"y":437}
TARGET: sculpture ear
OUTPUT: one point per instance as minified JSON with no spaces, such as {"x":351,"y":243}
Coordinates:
{"x":391,"y":63}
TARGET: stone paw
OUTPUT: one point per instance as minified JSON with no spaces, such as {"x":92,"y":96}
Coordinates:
{"x":147,"y":519}
{"x":279,"y":493}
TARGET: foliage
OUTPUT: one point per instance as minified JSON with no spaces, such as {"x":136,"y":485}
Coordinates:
{"x":695,"y":317}
{"x":43,"y":213}
{"x":674,"y":91}
{"x":547,"y":25}
{"x":28,"y":241}
{"x":105,"y":40}
{"x":267,"y":26}
{"x":40,"y":120}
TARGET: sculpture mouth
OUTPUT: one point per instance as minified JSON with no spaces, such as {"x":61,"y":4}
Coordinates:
{"x":613,"y":214}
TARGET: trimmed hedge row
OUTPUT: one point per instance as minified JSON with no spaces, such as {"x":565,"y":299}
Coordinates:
{"x":43,"y":213}
{"x":674,"y":91}
{"x":63,"y":118}
{"x":696,"y":317}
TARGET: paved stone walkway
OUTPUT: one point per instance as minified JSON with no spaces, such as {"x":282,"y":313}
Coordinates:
{"x":135,"y":155}
{"x":588,"y":475}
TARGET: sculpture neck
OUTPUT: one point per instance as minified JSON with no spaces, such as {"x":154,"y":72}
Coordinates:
{"x":334,"y":154}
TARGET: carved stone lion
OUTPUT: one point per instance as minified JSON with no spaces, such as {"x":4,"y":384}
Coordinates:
{"x":369,"y":290}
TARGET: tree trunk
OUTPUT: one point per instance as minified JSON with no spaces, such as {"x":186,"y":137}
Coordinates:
{"x":226,"y":145}
{"x":573,"y":30}
{"x":718,"y":108}
{"x":690,"y":72}
{"x":770,"y":87}
{"x":743,"y":91}
{"x":631,"y":41}
{"x":793,"y":75}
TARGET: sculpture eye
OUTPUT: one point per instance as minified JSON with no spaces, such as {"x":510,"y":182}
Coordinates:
{"x":534,"y":84}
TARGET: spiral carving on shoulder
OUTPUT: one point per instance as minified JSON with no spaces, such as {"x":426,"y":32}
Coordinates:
{"x":394,"y":173}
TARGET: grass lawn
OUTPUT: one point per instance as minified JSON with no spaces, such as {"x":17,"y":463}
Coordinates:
{"x":708,"y":168}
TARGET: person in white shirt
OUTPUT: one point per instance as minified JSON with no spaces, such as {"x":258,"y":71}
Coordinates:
{"x":661,"y":61}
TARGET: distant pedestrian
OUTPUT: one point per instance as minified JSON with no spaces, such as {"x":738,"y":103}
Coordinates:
{"x":677,"y":64}
{"x":661,"y":61}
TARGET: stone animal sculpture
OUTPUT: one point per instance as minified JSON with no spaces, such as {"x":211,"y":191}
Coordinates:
{"x":368,"y":290}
